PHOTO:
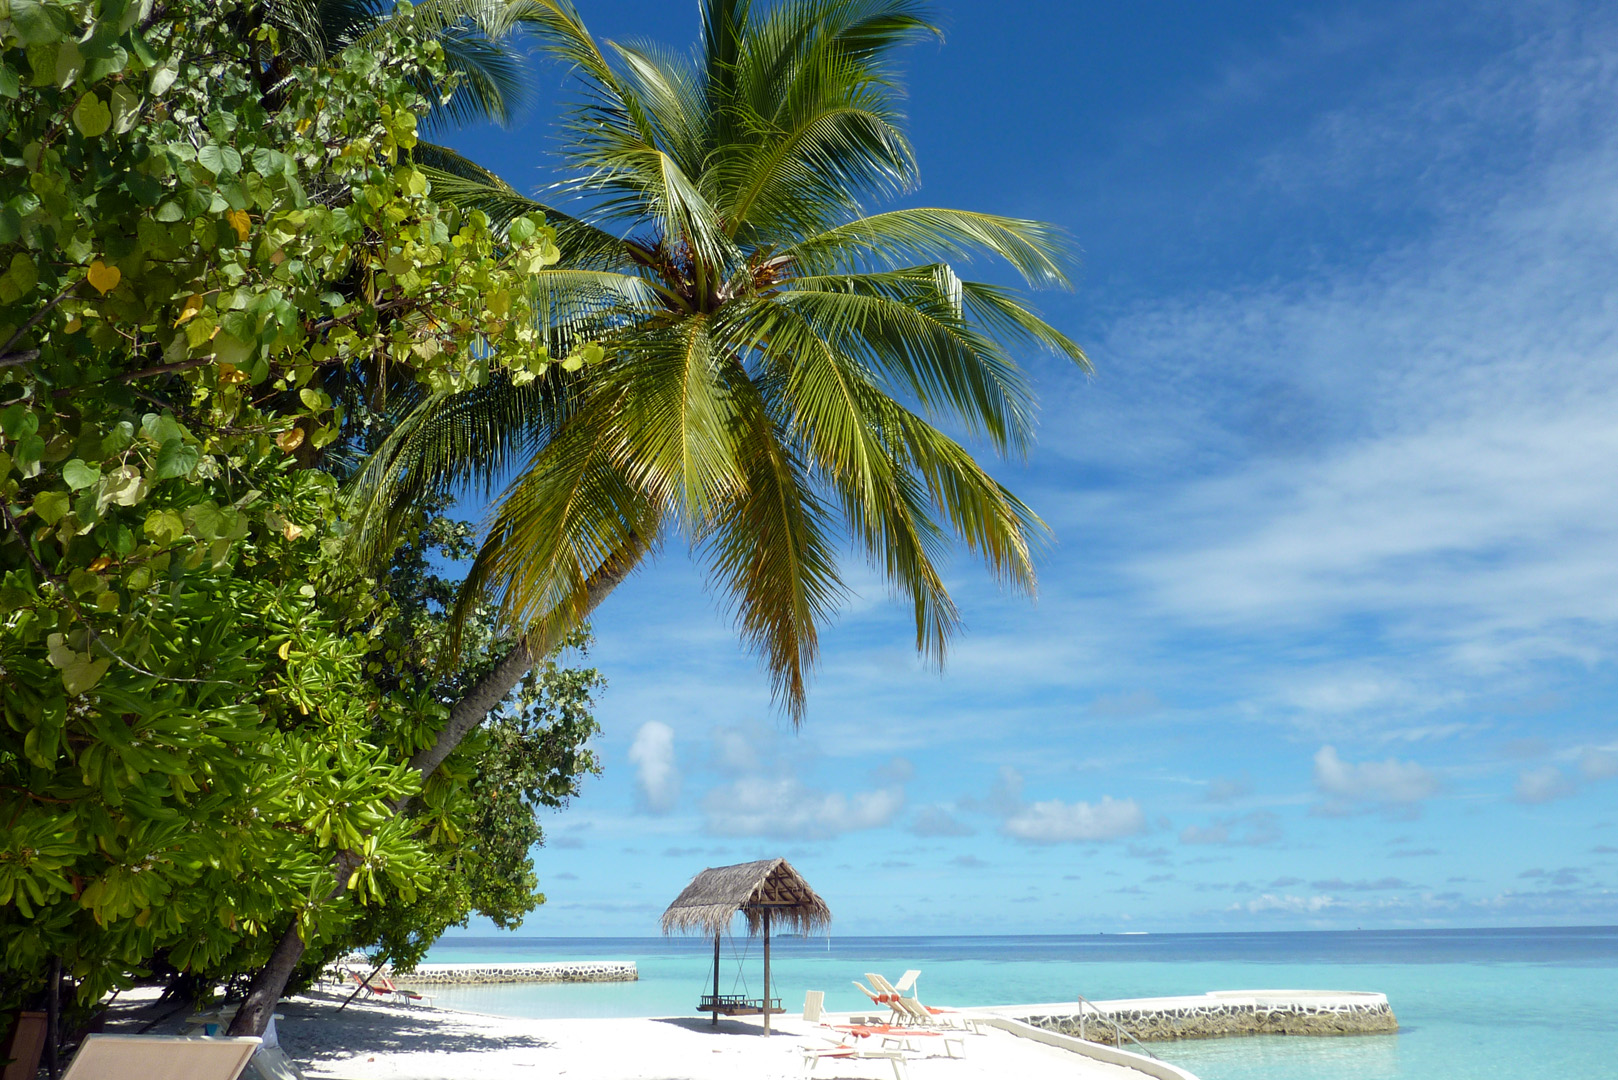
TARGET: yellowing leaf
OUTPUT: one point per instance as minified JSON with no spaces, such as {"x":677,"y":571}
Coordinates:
{"x":239,"y":221}
{"x":290,"y":439}
{"x":193,"y":304}
{"x":105,"y":278}
{"x":286,"y":647}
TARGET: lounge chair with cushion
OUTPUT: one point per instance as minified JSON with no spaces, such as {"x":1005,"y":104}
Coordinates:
{"x":882,"y":1000}
{"x":911,"y":1011}
{"x":160,"y":1057}
{"x":813,"y":1055}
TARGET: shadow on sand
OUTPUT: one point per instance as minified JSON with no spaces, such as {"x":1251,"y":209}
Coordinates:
{"x":429,"y":1031}
{"x":702,"y":1025}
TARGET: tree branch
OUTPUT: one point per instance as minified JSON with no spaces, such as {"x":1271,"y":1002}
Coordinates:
{"x":33,"y":321}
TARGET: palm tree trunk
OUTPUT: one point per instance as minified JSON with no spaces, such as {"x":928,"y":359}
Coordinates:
{"x":270,"y":981}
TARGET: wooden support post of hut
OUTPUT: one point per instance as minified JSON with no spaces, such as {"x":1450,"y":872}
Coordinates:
{"x":766,"y":892}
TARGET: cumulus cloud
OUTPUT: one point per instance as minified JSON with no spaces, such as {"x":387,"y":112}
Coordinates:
{"x":657,"y":777}
{"x":785,"y":808}
{"x":1387,"y":783}
{"x":1053,"y":821}
{"x":1288,"y":904}
{"x":1056,"y":821}
{"x":1541,"y":785}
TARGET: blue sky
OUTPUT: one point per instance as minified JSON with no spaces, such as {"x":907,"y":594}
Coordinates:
{"x":1326,"y":634}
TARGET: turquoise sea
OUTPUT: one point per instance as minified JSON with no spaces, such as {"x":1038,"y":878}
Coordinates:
{"x":1519,"y":1004}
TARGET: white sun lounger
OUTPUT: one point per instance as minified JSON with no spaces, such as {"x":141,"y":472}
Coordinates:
{"x":911,"y":1011}
{"x":813,"y":1055}
{"x":160,"y":1057}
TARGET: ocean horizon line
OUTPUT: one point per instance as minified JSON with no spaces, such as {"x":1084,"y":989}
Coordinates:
{"x":515,"y":936}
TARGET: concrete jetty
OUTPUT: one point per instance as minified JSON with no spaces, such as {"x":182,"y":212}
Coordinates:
{"x":1213,"y":1015}
{"x":485,"y":974}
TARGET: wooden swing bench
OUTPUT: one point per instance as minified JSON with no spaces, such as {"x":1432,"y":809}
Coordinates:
{"x":737,"y":1005}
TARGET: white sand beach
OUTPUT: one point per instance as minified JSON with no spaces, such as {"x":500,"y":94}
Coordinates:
{"x":372,"y":1040}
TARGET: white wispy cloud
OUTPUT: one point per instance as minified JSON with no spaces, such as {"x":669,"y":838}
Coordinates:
{"x":657,"y":775}
{"x":785,"y":808}
{"x":1388,"y":783}
{"x":1052,"y":821}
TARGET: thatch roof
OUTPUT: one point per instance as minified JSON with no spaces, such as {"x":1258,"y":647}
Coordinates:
{"x":714,"y":896}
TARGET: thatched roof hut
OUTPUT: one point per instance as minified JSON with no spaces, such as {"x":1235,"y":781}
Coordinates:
{"x":770,"y":885}
{"x":766,"y":891}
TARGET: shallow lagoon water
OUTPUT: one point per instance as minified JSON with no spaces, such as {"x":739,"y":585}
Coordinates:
{"x":1537,"y":1004}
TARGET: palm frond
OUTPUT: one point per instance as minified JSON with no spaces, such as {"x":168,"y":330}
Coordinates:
{"x":912,"y":327}
{"x":446,"y":442}
{"x":773,"y":556}
{"x":928,"y":234}
{"x":574,"y":503}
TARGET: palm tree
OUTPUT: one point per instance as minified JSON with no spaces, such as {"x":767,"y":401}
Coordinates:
{"x":776,"y":364}
{"x":780,"y":360}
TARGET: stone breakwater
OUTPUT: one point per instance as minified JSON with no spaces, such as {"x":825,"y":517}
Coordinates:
{"x":562,"y":971}
{"x":1216,"y":1015}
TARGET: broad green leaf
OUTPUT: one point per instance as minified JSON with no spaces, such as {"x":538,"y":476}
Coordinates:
{"x":69,"y":62}
{"x":51,"y":505}
{"x":84,"y":673}
{"x":175,"y":458}
{"x":92,"y":116}
{"x":79,"y":474}
{"x":125,"y":108}
{"x":17,"y":419}
{"x":164,"y":527}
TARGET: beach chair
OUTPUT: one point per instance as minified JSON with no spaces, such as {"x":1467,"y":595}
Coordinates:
{"x":884,"y":1001}
{"x":907,"y":980}
{"x":814,"y":1001}
{"x":905,"y":1010}
{"x":910,"y":1010}
{"x":399,"y":993}
{"x":160,"y":1057}
{"x":814,"y":1055}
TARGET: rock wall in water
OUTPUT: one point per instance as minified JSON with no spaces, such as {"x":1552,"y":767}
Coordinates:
{"x":560,"y":971}
{"x":1217,"y":1015}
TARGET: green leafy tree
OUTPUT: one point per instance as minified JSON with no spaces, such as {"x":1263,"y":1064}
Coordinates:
{"x":200,"y":262}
